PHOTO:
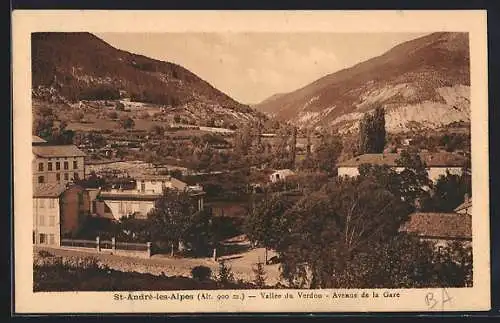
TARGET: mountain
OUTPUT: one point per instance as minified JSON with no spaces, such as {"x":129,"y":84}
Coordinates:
{"x":68,"y":67}
{"x":422,"y":83}
{"x":270,"y":99}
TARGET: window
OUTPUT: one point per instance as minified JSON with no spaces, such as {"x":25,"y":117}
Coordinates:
{"x":58,"y":177}
{"x":143,"y":186}
{"x":49,"y":166}
{"x":66,"y":165}
{"x":52,"y":203}
{"x":41,"y":203}
{"x":42,"y":238}
{"x":66,"y":176}
{"x":40,"y":167}
{"x":75,"y":176}
{"x":75,"y":164}
{"x":41,"y":179}
{"x":52,"y":220}
{"x":51,"y":239}
{"x":41,"y":219}
{"x":58,"y":165}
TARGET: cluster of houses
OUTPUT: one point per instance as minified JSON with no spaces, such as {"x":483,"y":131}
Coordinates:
{"x":437,"y":227}
{"x":61,"y":206}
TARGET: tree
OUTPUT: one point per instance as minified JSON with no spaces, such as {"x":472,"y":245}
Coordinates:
{"x":350,"y":216}
{"x":243,"y":140}
{"x":327,"y":153}
{"x":449,"y":191}
{"x":225,"y":275}
{"x":127,"y":122}
{"x":259,"y":275}
{"x":372,"y":134}
{"x":266,"y":222}
{"x":172,"y":217}
{"x":415,"y":182}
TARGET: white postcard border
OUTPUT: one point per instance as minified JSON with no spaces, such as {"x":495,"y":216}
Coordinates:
{"x":457,"y":299}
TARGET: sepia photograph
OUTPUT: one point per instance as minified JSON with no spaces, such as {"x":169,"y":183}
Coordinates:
{"x":252,"y":160}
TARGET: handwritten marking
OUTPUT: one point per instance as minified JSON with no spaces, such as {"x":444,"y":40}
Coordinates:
{"x":432,"y":301}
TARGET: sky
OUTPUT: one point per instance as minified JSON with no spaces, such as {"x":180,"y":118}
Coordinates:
{"x":251,"y":67}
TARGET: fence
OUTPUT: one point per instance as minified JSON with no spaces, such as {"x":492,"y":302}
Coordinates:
{"x":107,"y":245}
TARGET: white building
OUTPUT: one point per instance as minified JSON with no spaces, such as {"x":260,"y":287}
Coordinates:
{"x":280,"y":175}
{"x":157,"y":183}
{"x":437,"y":163}
{"x":140,"y":201}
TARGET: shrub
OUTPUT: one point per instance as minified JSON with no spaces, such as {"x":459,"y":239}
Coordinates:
{"x":112,"y":115}
{"x":201,"y":273}
{"x":225,"y":275}
{"x":259,"y":275}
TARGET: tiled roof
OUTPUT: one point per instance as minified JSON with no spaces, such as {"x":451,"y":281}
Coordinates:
{"x":48,"y":190}
{"x":439,"y":225}
{"x":57,"y":151}
{"x":37,"y":140}
{"x":440,"y":159}
{"x":465,"y":205}
{"x":177,"y":184}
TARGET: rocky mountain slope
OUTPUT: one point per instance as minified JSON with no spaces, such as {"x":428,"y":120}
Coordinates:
{"x":69,"y":67}
{"x":422,"y":83}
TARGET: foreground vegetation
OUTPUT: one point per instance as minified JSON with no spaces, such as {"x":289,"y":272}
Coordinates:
{"x":51,"y":273}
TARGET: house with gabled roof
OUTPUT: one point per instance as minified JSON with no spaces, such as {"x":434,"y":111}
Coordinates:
{"x":439,"y":228}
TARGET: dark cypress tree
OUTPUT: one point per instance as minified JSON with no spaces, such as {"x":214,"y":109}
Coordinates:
{"x":379,"y":134}
{"x":372,"y":132}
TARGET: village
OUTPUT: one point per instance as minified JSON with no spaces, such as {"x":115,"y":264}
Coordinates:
{"x":88,"y":206}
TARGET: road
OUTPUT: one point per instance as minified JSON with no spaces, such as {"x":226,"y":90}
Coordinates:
{"x":241,"y":264}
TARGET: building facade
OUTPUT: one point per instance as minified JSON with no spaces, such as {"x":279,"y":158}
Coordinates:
{"x":116,"y":203}
{"x":58,"y":211}
{"x":57,"y":164}
{"x":438,"y":164}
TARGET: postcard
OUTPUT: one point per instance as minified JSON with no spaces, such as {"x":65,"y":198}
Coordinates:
{"x":250,"y":161}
